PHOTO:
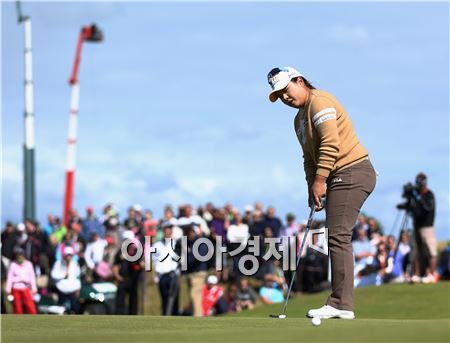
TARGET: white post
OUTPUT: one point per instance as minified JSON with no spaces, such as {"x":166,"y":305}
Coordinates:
{"x":73,"y":122}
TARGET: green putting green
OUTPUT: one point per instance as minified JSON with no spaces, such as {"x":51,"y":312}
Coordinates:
{"x":392,"y":313}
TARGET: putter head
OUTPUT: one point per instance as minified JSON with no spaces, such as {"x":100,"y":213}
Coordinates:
{"x":279,"y":316}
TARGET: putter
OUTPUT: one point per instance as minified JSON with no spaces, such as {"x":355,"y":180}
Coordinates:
{"x":299,"y":254}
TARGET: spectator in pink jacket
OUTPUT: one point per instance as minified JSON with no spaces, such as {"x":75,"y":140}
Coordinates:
{"x":21,"y":283}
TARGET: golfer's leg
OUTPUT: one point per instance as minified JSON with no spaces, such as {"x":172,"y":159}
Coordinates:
{"x":340,"y":245}
{"x":346,"y":194}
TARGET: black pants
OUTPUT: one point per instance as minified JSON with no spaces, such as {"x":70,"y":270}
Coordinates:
{"x":70,"y":298}
{"x":221,"y":306}
{"x":127,"y":288}
{"x":169,"y":290}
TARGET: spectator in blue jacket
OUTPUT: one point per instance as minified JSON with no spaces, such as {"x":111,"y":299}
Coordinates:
{"x":91,"y":225}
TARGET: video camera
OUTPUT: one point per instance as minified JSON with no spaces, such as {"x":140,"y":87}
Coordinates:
{"x":410,"y":193}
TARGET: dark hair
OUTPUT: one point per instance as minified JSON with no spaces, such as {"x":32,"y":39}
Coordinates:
{"x":305,"y":81}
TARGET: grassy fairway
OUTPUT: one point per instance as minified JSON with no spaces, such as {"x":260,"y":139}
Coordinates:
{"x":393,"y":313}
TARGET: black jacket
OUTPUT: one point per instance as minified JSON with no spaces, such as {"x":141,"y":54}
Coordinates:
{"x":423,"y":210}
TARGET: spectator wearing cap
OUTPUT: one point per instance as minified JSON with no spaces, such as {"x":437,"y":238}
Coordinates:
{"x":91,"y":225}
{"x":68,"y":242}
{"x":213,"y":300}
{"x":21,"y":234}
{"x":138,"y":214}
{"x":167,"y":273}
{"x":21,"y":283}
{"x":66,"y":274}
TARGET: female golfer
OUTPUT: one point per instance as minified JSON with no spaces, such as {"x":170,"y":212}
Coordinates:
{"x":337,"y":167}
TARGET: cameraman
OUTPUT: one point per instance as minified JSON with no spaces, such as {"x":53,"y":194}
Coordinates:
{"x":420,"y":203}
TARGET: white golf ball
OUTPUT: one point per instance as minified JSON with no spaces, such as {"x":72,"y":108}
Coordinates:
{"x":316,"y":321}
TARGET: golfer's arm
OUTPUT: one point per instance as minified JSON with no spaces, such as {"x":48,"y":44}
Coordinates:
{"x":309,"y":166}
{"x":329,"y":144}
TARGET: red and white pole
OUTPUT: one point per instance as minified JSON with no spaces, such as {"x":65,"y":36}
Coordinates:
{"x":89,"y":34}
{"x":71,"y":150}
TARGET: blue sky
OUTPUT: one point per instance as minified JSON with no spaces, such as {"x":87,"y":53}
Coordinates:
{"x":174,"y":108}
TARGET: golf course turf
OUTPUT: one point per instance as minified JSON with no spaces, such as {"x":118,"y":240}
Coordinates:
{"x":391,"y":313}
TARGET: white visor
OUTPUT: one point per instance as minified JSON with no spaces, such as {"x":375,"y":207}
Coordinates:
{"x":279,"y":78}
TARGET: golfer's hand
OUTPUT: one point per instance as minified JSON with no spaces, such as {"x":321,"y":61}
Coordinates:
{"x":319,"y":191}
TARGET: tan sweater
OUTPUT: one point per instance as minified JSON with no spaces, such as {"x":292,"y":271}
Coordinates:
{"x":326,"y":134}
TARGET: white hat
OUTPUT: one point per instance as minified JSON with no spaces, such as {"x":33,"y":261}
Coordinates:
{"x":21,"y":227}
{"x":169,"y":223}
{"x":184,"y":221}
{"x":212,"y":280}
{"x":249,"y":208}
{"x":279,"y":78}
{"x":69,"y":251}
{"x":137,"y":207}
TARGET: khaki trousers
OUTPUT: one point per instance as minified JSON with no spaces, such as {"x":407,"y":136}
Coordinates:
{"x":196,"y":282}
{"x":347,"y":189}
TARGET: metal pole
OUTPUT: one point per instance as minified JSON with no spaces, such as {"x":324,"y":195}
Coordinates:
{"x":29,"y":211}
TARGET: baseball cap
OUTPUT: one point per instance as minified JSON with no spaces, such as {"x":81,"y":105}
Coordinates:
{"x":170,"y":223}
{"x":212,"y":280}
{"x":69,"y":251}
{"x":249,"y":208}
{"x":279,"y":78}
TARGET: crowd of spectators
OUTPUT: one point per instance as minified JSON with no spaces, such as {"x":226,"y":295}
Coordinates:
{"x":61,"y":258}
